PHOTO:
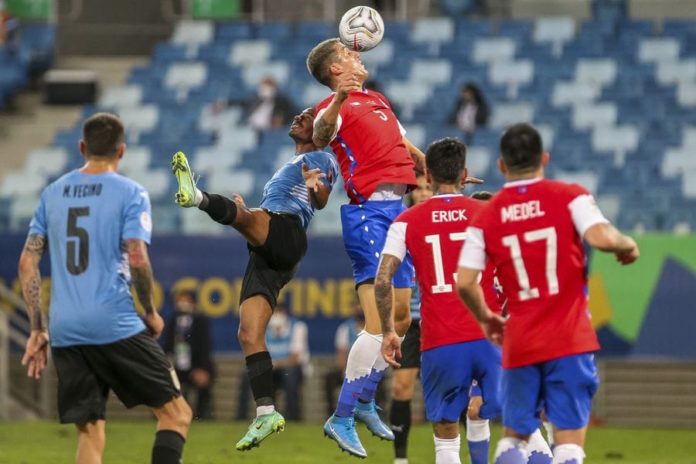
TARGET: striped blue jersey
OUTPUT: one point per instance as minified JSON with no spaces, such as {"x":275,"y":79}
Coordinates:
{"x":286,"y":191}
{"x":86,"y":218}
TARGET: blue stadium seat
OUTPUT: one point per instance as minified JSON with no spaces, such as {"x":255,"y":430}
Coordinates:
{"x":228,"y":32}
{"x":274,"y":31}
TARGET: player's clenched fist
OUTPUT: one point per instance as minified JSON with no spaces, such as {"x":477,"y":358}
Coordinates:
{"x":347,"y":82}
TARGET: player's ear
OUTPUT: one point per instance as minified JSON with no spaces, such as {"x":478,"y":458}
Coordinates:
{"x":545,"y":157}
{"x":121,"y":151}
{"x":335,"y":68}
{"x":501,"y":166}
{"x":83,"y":147}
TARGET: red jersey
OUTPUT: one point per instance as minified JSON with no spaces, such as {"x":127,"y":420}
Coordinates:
{"x":521,"y":230}
{"x":433,"y":233}
{"x":369,"y":144}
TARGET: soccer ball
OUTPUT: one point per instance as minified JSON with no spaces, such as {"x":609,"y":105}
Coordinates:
{"x":361,"y":28}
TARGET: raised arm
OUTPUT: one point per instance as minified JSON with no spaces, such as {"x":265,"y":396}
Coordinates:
{"x":36,"y":352}
{"x":391,"y":344}
{"x":417,"y":155}
{"x":141,"y":277}
{"x":318,"y":191}
{"x":327,"y":122}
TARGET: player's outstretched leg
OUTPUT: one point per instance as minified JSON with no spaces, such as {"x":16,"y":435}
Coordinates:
{"x":187,"y":191}
{"x":366,"y":410}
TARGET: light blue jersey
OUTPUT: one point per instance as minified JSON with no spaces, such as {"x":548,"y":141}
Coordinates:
{"x":86,"y":218}
{"x":286,"y":191}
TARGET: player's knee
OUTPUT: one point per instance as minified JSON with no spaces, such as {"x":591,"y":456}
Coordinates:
{"x":402,"y":390}
{"x":175,"y":415}
{"x":92,"y":432}
{"x":248,"y":338}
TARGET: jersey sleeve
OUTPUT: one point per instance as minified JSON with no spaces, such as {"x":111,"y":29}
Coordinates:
{"x":137,"y":222}
{"x":473,"y":254}
{"x":395,"y":244}
{"x":585,"y":213}
{"x":38,"y":226}
{"x":327,"y":164}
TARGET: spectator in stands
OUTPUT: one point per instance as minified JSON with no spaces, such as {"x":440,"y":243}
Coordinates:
{"x":8,"y":25}
{"x":270,"y":109}
{"x":470,"y":112}
{"x":190,"y":344}
{"x":287,"y":341}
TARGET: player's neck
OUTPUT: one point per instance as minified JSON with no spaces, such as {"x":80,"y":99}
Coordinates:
{"x":302,"y":148}
{"x":536,"y":174}
{"x":446,"y":189}
{"x":99,"y":166}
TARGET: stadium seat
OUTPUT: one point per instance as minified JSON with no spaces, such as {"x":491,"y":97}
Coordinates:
{"x":673,"y":72}
{"x":689,"y":137}
{"x":380,"y":55}
{"x":136,"y":159}
{"x":678,"y":161}
{"x":478,"y":160}
{"x":686,"y":94}
{"x":22,"y":183}
{"x":431,"y":72}
{"x":195,"y":222}
{"x":554,"y":30}
{"x":273,"y":30}
{"x":227,"y":182}
{"x":433,"y":30}
{"x":49,"y":161}
{"x":22,"y":208}
{"x":186,"y":76}
{"x":209,"y":159}
{"x":227,"y":32}
{"x":512,"y":74}
{"x":600,"y":72}
{"x":313,"y":93}
{"x":586,"y":116}
{"x":574,"y":93}
{"x":506,"y":114}
{"x":618,"y":140}
{"x":138,"y":119}
{"x":610,"y":205}
{"x":688,"y":184}
{"x":250,"y":52}
{"x":126,"y":95}
{"x":416,"y":134}
{"x":212,"y":120}
{"x":193,"y":33}
{"x":548,"y":135}
{"x":588,"y":179}
{"x":155,"y":181}
{"x":237,"y":138}
{"x":408,"y":96}
{"x":493,"y":49}
{"x":278,"y":70}
{"x":658,"y":50}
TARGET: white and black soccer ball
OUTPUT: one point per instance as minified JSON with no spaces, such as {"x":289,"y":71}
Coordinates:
{"x":361,"y":28}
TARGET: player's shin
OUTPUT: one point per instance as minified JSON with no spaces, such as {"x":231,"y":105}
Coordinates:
{"x":538,"y":450}
{"x":478,"y":437}
{"x":511,"y":451}
{"x":361,"y":358}
{"x":568,"y":454}
{"x":260,"y":371}
{"x":400,"y":418}
{"x":220,"y":209}
{"x":447,"y":450}
{"x":168,"y":447}
{"x":376,"y":375}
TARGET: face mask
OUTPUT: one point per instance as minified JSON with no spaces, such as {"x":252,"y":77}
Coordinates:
{"x":267,"y":92}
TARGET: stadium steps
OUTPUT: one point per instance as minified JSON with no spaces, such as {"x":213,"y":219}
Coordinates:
{"x":645,"y":393}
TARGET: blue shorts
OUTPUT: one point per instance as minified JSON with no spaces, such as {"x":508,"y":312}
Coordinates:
{"x":365,"y":229}
{"x":564,"y":387}
{"x":447,"y":372}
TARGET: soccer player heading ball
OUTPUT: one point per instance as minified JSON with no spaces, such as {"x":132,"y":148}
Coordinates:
{"x":532,"y":231}
{"x":377,"y":163}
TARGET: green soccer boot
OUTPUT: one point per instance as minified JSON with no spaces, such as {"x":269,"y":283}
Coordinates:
{"x":186,"y":194}
{"x":260,"y":429}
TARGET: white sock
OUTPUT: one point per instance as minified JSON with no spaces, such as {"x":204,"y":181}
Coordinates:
{"x":362,"y":356}
{"x":537,"y":443}
{"x":380,"y":363}
{"x":568,"y":452}
{"x":198,"y":198}
{"x":400,"y":461}
{"x":447,"y":450}
{"x":507,"y":443}
{"x":549,"y":432}
{"x":477,"y":430}
{"x":263,"y":410}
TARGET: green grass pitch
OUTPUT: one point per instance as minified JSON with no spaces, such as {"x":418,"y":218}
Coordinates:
{"x":213,"y":443}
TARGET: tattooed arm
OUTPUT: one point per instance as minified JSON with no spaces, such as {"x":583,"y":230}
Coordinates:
{"x":141,"y":277}
{"x":36,"y":351}
{"x":391,"y":343}
{"x":30,"y":278}
{"x":326,"y":124}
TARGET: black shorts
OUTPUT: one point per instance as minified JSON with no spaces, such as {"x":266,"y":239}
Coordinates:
{"x":273,"y":264}
{"x":410,"y":347}
{"x":135,"y":368}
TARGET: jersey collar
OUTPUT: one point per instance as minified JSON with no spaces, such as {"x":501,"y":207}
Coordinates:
{"x":518,"y":183}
